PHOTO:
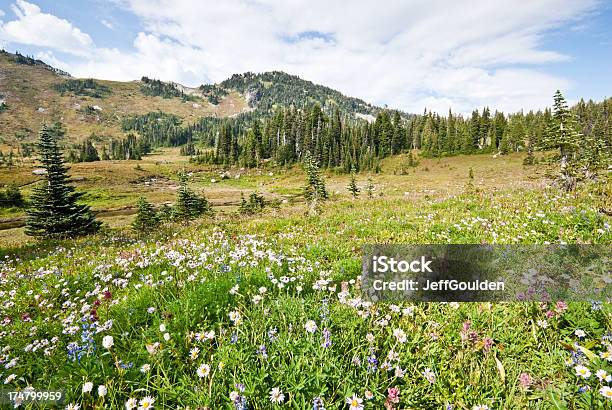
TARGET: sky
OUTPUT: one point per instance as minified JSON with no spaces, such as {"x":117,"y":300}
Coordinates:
{"x":406,"y":54}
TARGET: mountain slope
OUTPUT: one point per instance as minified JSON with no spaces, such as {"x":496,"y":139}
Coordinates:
{"x":33,"y":94}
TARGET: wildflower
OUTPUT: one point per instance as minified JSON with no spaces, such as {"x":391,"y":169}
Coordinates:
{"x":326,"y":338}
{"x":310,"y":326}
{"x":393,"y":394}
{"x":145,"y":368}
{"x":606,"y":391}
{"x":369,"y":395}
{"x":580,"y":333}
{"x":107,"y":342}
{"x":276,"y":395}
{"x":152,"y":348}
{"x":262,"y":351}
{"x":235,"y":317}
{"x":162,"y":328}
{"x":166,"y":336}
{"x":317,"y":404}
{"x":370,"y":338}
{"x":480,"y":407}
{"x":525,"y":380}
{"x":194,"y":353}
{"x":543,"y":324}
{"x":429,"y":375}
{"x":203,"y":371}
{"x":102,"y":390}
{"x":73,"y":406}
{"x":582,"y":371}
{"x":87,"y":387}
{"x":151,"y":310}
{"x":131,"y":404}
{"x":400,"y":335}
{"x":234,"y":395}
{"x":603,"y":376}
{"x":355,"y":403}
{"x":146,"y":403}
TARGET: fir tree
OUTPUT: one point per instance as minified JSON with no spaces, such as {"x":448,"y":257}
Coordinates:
{"x":529,"y":159}
{"x":562,"y":135}
{"x":189,"y":205}
{"x":53,"y":210}
{"x":370,"y":188}
{"x":314,"y":191}
{"x":352,"y":187}
{"x":146,"y":219}
{"x":12,"y":197}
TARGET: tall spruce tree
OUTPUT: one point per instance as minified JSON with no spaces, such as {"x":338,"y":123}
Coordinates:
{"x":314,"y":190}
{"x":53,"y":210}
{"x":562,"y":135}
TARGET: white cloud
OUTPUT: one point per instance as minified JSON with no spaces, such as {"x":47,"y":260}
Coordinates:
{"x":33,"y":27}
{"x":107,"y":24}
{"x":405,"y":54}
{"x":1,"y":12}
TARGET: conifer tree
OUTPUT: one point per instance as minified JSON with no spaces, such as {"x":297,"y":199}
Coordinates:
{"x":146,"y":219}
{"x":53,"y":210}
{"x":529,"y":159}
{"x":12,"y":197}
{"x":189,"y":205}
{"x":562,"y":135}
{"x":314,"y":191}
{"x":370,"y":188}
{"x":352,"y":187}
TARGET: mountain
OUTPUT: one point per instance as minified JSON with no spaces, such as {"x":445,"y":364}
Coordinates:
{"x":33,"y":92}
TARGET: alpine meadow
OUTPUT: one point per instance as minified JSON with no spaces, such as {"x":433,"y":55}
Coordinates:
{"x":176,"y":240}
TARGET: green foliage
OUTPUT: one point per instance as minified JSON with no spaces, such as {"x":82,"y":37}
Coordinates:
{"x":88,"y":87}
{"x":159,"y":129}
{"x":146,"y":220}
{"x":11,"y":197}
{"x":189,"y":205}
{"x":314,"y":190}
{"x":53,"y":210}
{"x":188,"y":149}
{"x":370,"y":188}
{"x":155,"y":88}
{"x":87,"y":152}
{"x":213,"y":92}
{"x":352,"y":187}
{"x":275,"y":88}
{"x":254,"y":205}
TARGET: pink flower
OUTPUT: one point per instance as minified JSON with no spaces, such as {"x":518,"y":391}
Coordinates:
{"x":561,"y":306}
{"x":525,"y":380}
{"x":393,"y":394}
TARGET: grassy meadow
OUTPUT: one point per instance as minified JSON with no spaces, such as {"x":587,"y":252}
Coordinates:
{"x":265,"y":311}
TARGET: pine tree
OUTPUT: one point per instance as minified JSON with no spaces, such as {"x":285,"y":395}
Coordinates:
{"x":12,"y":197}
{"x":562,"y":135}
{"x":146,"y":219}
{"x":189,"y":205}
{"x":314,"y":191}
{"x":352,"y":187}
{"x":370,"y":188}
{"x":53,"y":210}
{"x":529,"y":159}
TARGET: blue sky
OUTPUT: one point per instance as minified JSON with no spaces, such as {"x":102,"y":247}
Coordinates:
{"x":407,"y":54}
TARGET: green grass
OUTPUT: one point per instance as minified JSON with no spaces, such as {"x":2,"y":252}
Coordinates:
{"x":195,"y":276}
